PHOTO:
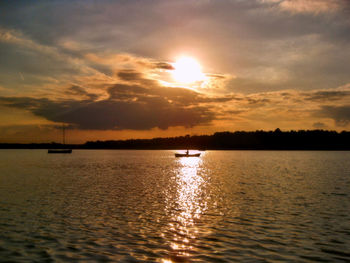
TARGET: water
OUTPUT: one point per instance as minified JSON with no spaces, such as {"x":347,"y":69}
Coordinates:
{"x":135,"y":206}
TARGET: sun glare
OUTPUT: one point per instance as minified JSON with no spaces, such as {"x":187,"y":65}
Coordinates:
{"x":187,"y":70}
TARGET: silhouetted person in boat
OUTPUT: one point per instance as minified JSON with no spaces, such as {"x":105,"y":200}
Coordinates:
{"x":187,"y":152}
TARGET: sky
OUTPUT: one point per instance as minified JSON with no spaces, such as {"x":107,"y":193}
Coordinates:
{"x":141,"y":69}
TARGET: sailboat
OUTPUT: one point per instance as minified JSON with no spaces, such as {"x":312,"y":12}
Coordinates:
{"x":64,"y":142}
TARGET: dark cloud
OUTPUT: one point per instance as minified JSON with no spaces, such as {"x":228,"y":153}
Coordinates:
{"x":319,"y":125}
{"x":77,"y":90}
{"x":130,"y":75}
{"x":258,"y":101}
{"x":128,"y":107}
{"x":234,"y":112}
{"x":164,"y":65}
{"x":119,"y":115}
{"x":178,"y":96}
{"x":327,"y":95}
{"x":340,"y":114}
{"x":120,"y":91}
{"x":136,"y":78}
{"x":222,"y":99}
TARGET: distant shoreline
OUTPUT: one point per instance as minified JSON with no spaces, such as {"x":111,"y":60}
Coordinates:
{"x":313,"y":140}
{"x":137,"y":149}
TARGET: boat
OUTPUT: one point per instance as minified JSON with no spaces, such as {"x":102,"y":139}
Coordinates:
{"x":187,"y":154}
{"x":64,"y":142}
{"x":59,"y":151}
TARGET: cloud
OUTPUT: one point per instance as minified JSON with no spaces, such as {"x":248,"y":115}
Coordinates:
{"x":216,"y":76}
{"x":312,"y":6}
{"x":309,"y":6}
{"x":327,"y":95}
{"x":128,"y":107}
{"x":319,"y":125}
{"x":139,"y":108}
{"x":300,"y":51}
{"x":129,"y":75}
{"x":164,"y":65}
{"x":81,"y":92}
{"x":27,"y":65}
{"x":340,"y":114}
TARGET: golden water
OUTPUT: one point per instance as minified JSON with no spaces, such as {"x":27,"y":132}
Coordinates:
{"x":134,"y":206}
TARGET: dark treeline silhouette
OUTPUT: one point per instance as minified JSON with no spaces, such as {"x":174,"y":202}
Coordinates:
{"x":239,"y":140}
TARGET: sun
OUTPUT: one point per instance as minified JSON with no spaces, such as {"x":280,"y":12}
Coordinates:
{"x":187,"y":70}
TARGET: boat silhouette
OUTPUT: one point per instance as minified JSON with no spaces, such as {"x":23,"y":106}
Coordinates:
{"x":64,"y":142}
{"x":187,"y":154}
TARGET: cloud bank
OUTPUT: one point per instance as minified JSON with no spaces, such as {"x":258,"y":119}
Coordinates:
{"x":107,"y":66}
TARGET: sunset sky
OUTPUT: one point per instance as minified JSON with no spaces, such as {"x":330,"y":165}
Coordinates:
{"x":144,"y":69}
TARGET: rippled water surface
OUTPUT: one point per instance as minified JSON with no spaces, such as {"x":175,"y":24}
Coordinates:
{"x":134,"y":206}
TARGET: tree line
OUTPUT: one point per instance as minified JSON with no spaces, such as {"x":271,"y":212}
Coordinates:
{"x":239,"y":140}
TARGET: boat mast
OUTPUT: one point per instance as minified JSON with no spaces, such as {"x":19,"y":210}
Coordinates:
{"x":64,"y":135}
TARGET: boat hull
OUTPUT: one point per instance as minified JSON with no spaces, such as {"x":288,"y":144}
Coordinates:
{"x":187,"y":155}
{"x":59,"y":151}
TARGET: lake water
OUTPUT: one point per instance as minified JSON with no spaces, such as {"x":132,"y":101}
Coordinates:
{"x":135,"y":206}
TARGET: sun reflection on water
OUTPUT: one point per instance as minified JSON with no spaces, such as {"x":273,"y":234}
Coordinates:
{"x":189,"y":190}
{"x":185,"y":207}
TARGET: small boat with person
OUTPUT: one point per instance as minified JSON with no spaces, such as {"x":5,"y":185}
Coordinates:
{"x":187,"y":154}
